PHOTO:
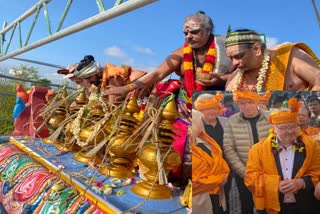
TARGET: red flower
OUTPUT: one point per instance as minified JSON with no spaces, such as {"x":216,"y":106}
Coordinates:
{"x":99,"y":184}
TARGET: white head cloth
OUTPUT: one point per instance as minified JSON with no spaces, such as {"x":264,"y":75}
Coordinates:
{"x":92,"y":69}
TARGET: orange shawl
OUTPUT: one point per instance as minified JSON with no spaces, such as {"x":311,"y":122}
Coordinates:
{"x":311,"y":131}
{"x":279,"y":63}
{"x":210,"y":172}
{"x":111,"y":70}
{"x":262,"y":178}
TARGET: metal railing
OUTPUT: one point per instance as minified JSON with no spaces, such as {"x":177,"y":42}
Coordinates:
{"x":33,"y":81}
{"x":118,"y":9}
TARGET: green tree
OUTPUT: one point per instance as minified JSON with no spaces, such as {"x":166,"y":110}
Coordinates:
{"x":43,"y":82}
{"x":8,"y":93}
{"x":7,"y":102}
{"x":25,"y":72}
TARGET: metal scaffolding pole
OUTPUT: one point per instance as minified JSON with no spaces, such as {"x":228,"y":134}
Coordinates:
{"x":32,"y":81}
{"x":101,"y":17}
{"x":39,"y":62}
{"x":24,"y":16}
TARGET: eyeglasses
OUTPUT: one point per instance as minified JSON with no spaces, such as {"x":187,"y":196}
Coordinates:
{"x":192,"y":32}
{"x":283,"y":128}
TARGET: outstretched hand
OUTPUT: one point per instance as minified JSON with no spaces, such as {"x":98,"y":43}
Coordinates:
{"x":119,"y":91}
{"x":215,"y":80}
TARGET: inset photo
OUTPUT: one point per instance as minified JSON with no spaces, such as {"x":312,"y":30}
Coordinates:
{"x":255,"y":152}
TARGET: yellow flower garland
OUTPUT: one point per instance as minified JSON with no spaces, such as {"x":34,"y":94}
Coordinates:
{"x":188,"y":67}
{"x":261,"y":78}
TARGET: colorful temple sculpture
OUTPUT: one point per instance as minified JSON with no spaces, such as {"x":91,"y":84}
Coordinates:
{"x":25,"y":114}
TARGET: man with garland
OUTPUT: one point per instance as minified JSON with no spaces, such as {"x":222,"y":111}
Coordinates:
{"x":198,"y":62}
{"x":289,"y":66}
{"x":283,"y":169}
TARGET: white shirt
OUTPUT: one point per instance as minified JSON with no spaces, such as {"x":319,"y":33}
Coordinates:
{"x":286,"y":157}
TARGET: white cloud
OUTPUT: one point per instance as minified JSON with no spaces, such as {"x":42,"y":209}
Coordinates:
{"x":119,"y":54}
{"x":144,"y":67}
{"x":143,"y":50}
{"x":116,"y":52}
{"x":271,"y":42}
{"x":12,"y":71}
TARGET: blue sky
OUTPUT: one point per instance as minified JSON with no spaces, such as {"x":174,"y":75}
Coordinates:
{"x":144,"y":37}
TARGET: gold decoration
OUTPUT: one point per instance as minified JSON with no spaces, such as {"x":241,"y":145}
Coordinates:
{"x":158,"y":158}
{"x":122,"y":154}
{"x":56,"y":119}
{"x":69,"y":144}
{"x":92,"y":133}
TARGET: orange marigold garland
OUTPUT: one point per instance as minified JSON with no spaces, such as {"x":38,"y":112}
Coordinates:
{"x":209,"y":63}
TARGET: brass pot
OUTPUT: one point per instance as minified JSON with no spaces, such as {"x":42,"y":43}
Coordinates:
{"x":88,"y":132}
{"x":148,"y":158}
{"x":151,"y":188}
{"x":69,"y":144}
{"x":117,"y":147}
{"x":132,"y":106}
{"x":84,"y":135}
{"x":122,"y":158}
{"x":169,"y":112}
{"x":55,"y":121}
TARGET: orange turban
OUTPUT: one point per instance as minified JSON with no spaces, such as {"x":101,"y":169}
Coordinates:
{"x":248,"y":95}
{"x":205,"y":103}
{"x":265,"y":98}
{"x":286,"y":115}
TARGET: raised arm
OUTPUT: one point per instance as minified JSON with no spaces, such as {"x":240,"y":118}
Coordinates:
{"x":170,"y":64}
{"x":305,"y":67}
